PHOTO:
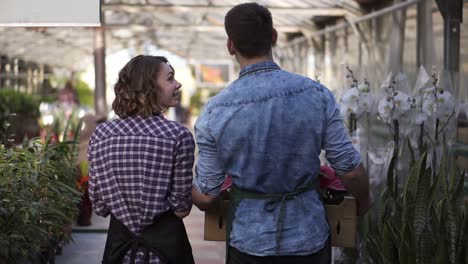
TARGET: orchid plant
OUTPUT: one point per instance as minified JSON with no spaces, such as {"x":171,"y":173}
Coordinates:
{"x":355,"y":101}
{"x":438,"y":107}
{"x":421,"y":116}
{"x":394,"y":107}
{"x":408,"y":219}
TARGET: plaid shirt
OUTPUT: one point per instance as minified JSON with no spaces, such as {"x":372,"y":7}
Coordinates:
{"x":140,"y":168}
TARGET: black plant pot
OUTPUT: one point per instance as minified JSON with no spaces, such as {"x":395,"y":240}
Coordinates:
{"x":86,"y":211}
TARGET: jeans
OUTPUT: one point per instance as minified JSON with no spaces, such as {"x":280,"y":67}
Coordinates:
{"x":323,"y":256}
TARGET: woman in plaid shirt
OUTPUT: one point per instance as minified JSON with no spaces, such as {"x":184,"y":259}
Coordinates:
{"x":141,"y":168}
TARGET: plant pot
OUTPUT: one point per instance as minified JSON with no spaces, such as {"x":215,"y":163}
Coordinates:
{"x":86,"y":211}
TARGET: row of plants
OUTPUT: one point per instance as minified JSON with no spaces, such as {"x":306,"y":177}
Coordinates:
{"x":18,"y":113}
{"x":418,"y":214}
{"x":38,"y":198}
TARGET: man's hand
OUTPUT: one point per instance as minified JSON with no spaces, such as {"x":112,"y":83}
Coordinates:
{"x":357,"y":183}
{"x":202,"y":201}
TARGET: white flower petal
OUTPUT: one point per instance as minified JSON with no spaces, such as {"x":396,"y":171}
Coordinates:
{"x":384,"y":108}
{"x":350,"y":95}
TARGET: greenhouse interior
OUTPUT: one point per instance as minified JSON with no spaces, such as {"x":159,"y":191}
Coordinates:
{"x":397,"y":68}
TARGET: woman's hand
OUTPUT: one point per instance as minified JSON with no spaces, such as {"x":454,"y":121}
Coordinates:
{"x":182,"y":214}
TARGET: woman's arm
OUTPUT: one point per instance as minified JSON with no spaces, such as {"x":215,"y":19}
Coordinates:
{"x":94,"y":183}
{"x":180,"y":194}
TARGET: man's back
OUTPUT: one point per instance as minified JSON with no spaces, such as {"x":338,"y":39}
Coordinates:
{"x":268,"y":128}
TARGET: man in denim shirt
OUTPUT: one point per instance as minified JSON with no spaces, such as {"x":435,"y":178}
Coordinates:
{"x":266,"y":130}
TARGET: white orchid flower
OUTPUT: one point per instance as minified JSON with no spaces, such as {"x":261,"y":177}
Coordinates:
{"x":418,"y":114}
{"x":384,"y":108}
{"x":351,"y":95}
{"x":445,"y":105}
{"x":363,"y":88}
{"x":444,"y":97}
{"x":429,"y":104}
{"x":420,"y":117}
{"x":349,"y":102}
{"x":402,"y":102}
{"x":395,"y":107}
{"x":365,"y":102}
{"x":347,"y":109}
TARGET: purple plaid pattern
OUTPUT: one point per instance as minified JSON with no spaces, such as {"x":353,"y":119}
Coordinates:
{"x":140,"y":168}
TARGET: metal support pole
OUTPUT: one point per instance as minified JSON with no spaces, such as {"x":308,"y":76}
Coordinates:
{"x":397,"y":40}
{"x":424,"y":54}
{"x":452,"y":12}
{"x":100,"y":104}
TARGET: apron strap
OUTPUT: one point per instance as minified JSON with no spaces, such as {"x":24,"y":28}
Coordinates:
{"x":133,"y":242}
{"x":166,"y":238}
{"x":273,"y":200}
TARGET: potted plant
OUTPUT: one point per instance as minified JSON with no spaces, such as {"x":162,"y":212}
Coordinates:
{"x":38,"y":199}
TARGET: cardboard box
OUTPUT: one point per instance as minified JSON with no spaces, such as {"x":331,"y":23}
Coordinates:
{"x":342,"y":219}
{"x":215,"y":222}
{"x":462,"y":135}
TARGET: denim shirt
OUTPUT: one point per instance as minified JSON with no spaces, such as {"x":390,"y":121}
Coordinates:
{"x":267,"y":130}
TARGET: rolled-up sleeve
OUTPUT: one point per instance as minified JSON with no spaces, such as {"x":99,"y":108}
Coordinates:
{"x":94,"y":183}
{"x":180,"y":196}
{"x":209,"y":173}
{"x":339,"y":150}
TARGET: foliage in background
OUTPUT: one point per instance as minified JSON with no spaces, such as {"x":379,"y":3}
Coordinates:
{"x":196,"y":102}
{"x":38,"y":197}
{"x":48,"y":98}
{"x":85,"y":94}
{"x":16,"y":105}
{"x":200,"y":98}
{"x":12,"y":101}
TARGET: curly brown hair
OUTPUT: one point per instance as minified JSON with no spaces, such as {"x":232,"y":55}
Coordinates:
{"x":137,"y":91}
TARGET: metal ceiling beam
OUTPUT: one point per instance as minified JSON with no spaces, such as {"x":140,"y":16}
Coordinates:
{"x":138,"y":8}
{"x":380,"y":12}
{"x":188,"y":27}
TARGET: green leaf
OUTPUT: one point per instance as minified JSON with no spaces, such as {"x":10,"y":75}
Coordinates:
{"x":411,"y":150}
{"x":390,"y":173}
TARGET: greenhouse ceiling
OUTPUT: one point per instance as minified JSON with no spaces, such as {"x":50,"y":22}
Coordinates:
{"x":192,"y":29}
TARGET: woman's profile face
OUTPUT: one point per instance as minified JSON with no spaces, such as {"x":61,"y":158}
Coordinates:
{"x":169,"y":94}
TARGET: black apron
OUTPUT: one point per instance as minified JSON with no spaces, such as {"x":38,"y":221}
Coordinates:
{"x":165,"y":238}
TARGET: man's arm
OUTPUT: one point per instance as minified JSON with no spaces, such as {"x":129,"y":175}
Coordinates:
{"x":357,"y":183}
{"x":209,"y":172}
{"x":343,"y":157}
{"x":203,"y":201}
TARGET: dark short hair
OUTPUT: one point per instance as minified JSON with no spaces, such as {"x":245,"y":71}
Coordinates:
{"x":250,"y":27}
{"x":137,"y":91}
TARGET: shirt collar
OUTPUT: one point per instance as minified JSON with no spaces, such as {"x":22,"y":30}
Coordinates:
{"x":264,"y":65}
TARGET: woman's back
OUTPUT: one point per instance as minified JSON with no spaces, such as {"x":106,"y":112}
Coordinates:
{"x":134,"y":160}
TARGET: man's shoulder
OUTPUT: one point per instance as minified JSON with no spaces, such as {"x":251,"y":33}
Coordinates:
{"x":306,"y":81}
{"x":225,"y":94}
{"x":284,"y":82}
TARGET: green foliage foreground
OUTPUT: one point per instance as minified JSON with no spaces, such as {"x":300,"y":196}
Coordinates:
{"x":38,"y":198}
{"x":426,"y":222}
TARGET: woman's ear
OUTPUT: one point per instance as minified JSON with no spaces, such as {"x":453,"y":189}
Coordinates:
{"x":230,"y":47}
